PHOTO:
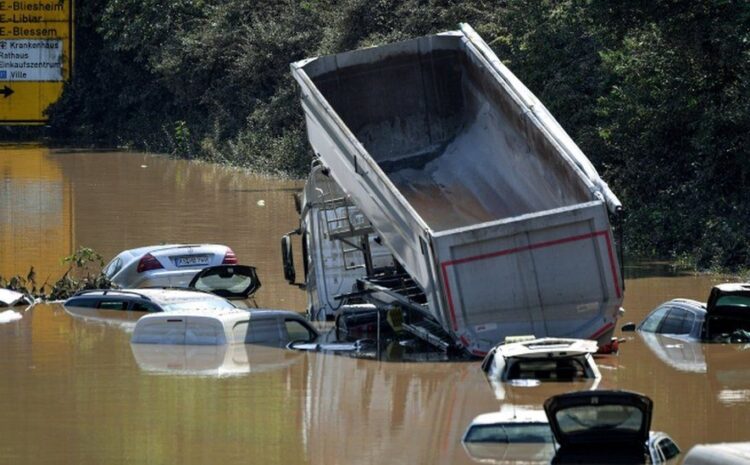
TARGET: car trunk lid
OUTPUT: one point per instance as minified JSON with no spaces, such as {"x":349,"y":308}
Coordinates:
{"x":618,"y":419}
{"x":228,"y":281}
{"x":728,"y":309}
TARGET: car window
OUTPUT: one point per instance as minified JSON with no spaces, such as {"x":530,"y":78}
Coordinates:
{"x":144,"y":307}
{"x":677,"y":321}
{"x":510,"y":433}
{"x":113,"y":304}
{"x":668,"y":448}
{"x":733,"y":301}
{"x":82,"y":302}
{"x":544,"y":369}
{"x":623,"y":418}
{"x":263,"y":330}
{"x":687,"y":323}
{"x":229,"y":281}
{"x":113,"y":267}
{"x":296,"y":331}
{"x":652,"y":321}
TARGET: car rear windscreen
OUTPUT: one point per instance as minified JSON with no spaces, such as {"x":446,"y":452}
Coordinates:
{"x":510,"y":433}
{"x":601,"y":418}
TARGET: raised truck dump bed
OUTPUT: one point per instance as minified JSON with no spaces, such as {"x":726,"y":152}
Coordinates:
{"x":473,"y":186}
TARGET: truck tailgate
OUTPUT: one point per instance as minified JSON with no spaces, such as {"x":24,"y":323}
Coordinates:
{"x":546,"y":274}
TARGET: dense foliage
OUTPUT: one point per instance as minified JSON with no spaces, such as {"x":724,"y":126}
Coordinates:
{"x":655,"y":92}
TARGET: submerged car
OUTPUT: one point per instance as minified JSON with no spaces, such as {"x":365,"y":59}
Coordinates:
{"x":606,"y":427}
{"x":122,"y":305}
{"x":545,"y":359}
{"x":165,"y":265}
{"x":226,"y":326}
{"x":207,"y":289}
{"x":513,"y":434}
{"x":10,"y":298}
{"x":727,"y":453}
{"x":725,"y":317}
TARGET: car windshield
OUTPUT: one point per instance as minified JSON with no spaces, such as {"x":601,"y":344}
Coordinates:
{"x":199,"y":304}
{"x":652,"y":321}
{"x":112,"y":267}
{"x":614,"y":418}
{"x":510,"y":433}
{"x":565,"y":369}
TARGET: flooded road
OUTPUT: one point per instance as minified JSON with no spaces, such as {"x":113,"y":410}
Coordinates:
{"x":72,"y":391}
{"x":52,"y":202}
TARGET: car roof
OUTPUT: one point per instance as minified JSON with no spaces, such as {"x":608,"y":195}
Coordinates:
{"x":547,"y":347}
{"x":516,"y":415}
{"x":157,"y":295}
{"x":687,"y":304}
{"x":727,"y":453}
{"x":733,"y":287}
{"x":10,"y":298}
{"x":216,"y":313}
{"x":161,"y":247}
{"x":268,"y":313}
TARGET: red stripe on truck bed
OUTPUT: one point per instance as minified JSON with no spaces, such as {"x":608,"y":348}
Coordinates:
{"x":610,"y":252}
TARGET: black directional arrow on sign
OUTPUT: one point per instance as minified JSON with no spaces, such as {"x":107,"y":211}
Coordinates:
{"x":6,"y":91}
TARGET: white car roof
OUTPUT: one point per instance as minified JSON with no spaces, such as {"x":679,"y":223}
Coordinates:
{"x":267,"y":312}
{"x":223,"y":314}
{"x":158,"y":248}
{"x":10,"y":298}
{"x":158,"y":295}
{"x":727,"y":453}
{"x":733,"y":287}
{"x":511,"y":415}
{"x":176,"y":295}
{"x":547,"y":347}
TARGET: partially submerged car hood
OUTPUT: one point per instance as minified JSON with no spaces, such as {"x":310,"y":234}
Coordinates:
{"x":602,"y":418}
{"x":228,"y":281}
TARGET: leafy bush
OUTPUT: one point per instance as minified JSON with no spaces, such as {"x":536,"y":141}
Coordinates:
{"x":84,"y":272}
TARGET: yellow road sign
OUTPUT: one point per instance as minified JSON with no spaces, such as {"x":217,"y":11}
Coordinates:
{"x":36,"y":57}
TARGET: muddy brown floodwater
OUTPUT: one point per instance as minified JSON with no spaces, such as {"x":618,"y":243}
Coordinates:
{"x":77,"y":392}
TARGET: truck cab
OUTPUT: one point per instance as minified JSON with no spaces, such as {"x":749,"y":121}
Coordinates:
{"x":338,"y":247}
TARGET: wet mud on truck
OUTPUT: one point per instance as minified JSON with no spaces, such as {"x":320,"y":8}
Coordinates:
{"x":435,"y":166}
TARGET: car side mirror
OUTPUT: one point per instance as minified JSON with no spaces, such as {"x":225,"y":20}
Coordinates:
{"x":287,"y":259}
{"x":628,"y":327}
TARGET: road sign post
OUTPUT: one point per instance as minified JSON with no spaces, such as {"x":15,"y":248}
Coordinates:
{"x":36,"y":57}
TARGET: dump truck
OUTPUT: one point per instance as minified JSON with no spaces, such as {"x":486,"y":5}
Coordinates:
{"x":436,"y":152}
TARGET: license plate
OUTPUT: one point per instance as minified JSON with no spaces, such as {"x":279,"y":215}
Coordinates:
{"x":192,"y":260}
